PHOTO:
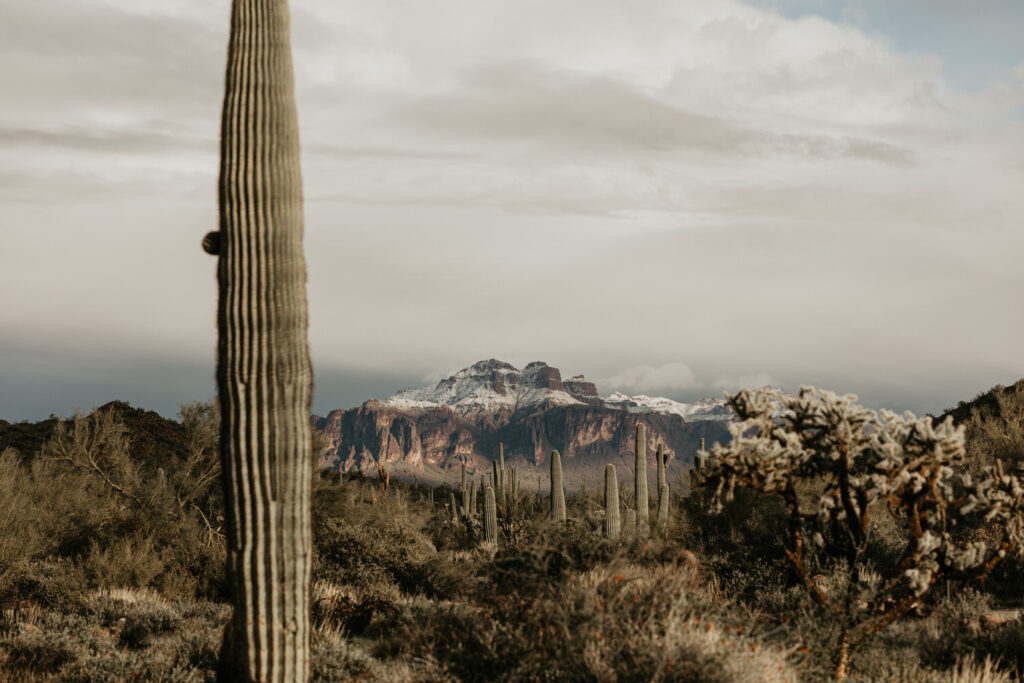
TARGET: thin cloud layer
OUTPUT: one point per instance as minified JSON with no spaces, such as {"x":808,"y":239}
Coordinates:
{"x":673,"y":192}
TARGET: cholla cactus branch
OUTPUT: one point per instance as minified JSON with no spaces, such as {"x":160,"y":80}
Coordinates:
{"x":859,"y":463}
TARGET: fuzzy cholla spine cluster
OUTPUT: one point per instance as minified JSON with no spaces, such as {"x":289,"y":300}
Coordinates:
{"x":840,"y":467}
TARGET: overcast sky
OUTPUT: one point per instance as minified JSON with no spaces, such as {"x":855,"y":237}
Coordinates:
{"x":672,"y":197}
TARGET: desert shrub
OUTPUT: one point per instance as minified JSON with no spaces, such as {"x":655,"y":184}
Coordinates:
{"x":547,"y":557}
{"x":1004,"y":644}
{"x":133,"y":562}
{"x":834,"y":465}
{"x":997,"y":432}
{"x":353,"y":608}
{"x":117,"y":635}
{"x":40,"y":652}
{"x":56,"y":583}
{"x":623,"y":623}
{"x":364,"y":554}
{"x":337,"y":658}
{"x":136,"y":615}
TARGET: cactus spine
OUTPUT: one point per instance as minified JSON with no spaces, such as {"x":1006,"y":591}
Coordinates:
{"x":557,"y":492}
{"x":640,"y":488}
{"x":264,"y":378}
{"x":612,"y":523}
{"x":490,"y":516}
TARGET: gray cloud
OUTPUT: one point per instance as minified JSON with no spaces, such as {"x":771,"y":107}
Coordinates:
{"x":148,"y":138}
{"x":604,"y":186}
{"x":599,"y":116}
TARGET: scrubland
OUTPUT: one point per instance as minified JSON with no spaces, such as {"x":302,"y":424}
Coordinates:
{"x":122,"y":562}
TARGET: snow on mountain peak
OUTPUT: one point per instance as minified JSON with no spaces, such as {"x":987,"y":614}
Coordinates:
{"x":489,"y":386}
{"x":704,"y":409}
{"x":493,"y":385}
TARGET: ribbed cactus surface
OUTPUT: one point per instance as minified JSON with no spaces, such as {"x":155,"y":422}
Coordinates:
{"x":612,"y":522}
{"x":629,"y":523}
{"x":264,"y":378}
{"x":557,"y":492}
{"x":490,"y":516}
{"x":663,"y":501}
{"x":640,"y":482}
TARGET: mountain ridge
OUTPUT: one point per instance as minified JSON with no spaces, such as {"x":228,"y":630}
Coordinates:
{"x":463,"y":418}
{"x":493,"y":385}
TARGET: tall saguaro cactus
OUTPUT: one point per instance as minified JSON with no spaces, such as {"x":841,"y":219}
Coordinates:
{"x":557,"y":491}
{"x":264,"y":376}
{"x":663,"y":505}
{"x":612,"y":524}
{"x":490,"y":516}
{"x":640,"y":487}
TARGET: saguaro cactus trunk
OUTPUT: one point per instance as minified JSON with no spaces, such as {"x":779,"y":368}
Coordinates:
{"x":640,"y":484}
{"x":263,"y":370}
{"x":557,"y":491}
{"x":490,"y":516}
{"x":663,"y":505}
{"x":612,"y":524}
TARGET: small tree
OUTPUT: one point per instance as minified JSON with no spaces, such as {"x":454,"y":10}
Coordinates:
{"x":838,"y":467}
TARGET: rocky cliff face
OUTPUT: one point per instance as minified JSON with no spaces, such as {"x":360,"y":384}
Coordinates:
{"x":532,"y":411}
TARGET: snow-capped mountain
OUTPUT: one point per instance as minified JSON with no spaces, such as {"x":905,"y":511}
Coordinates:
{"x":704,"y":409}
{"x":493,"y":385}
{"x":529,"y":411}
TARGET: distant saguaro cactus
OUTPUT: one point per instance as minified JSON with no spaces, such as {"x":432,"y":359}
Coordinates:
{"x":659,"y":459}
{"x":640,"y":486}
{"x":557,"y":492}
{"x":663,"y":501}
{"x":490,"y":516}
{"x":501,"y":459}
{"x":629,"y":524}
{"x":264,"y":378}
{"x":612,"y":523}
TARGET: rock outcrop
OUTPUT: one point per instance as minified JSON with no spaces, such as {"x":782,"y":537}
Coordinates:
{"x":532,"y":411}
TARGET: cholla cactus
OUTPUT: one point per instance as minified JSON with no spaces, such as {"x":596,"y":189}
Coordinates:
{"x":835,"y":463}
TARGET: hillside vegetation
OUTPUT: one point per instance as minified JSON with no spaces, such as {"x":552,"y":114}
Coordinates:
{"x":112,"y":532}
